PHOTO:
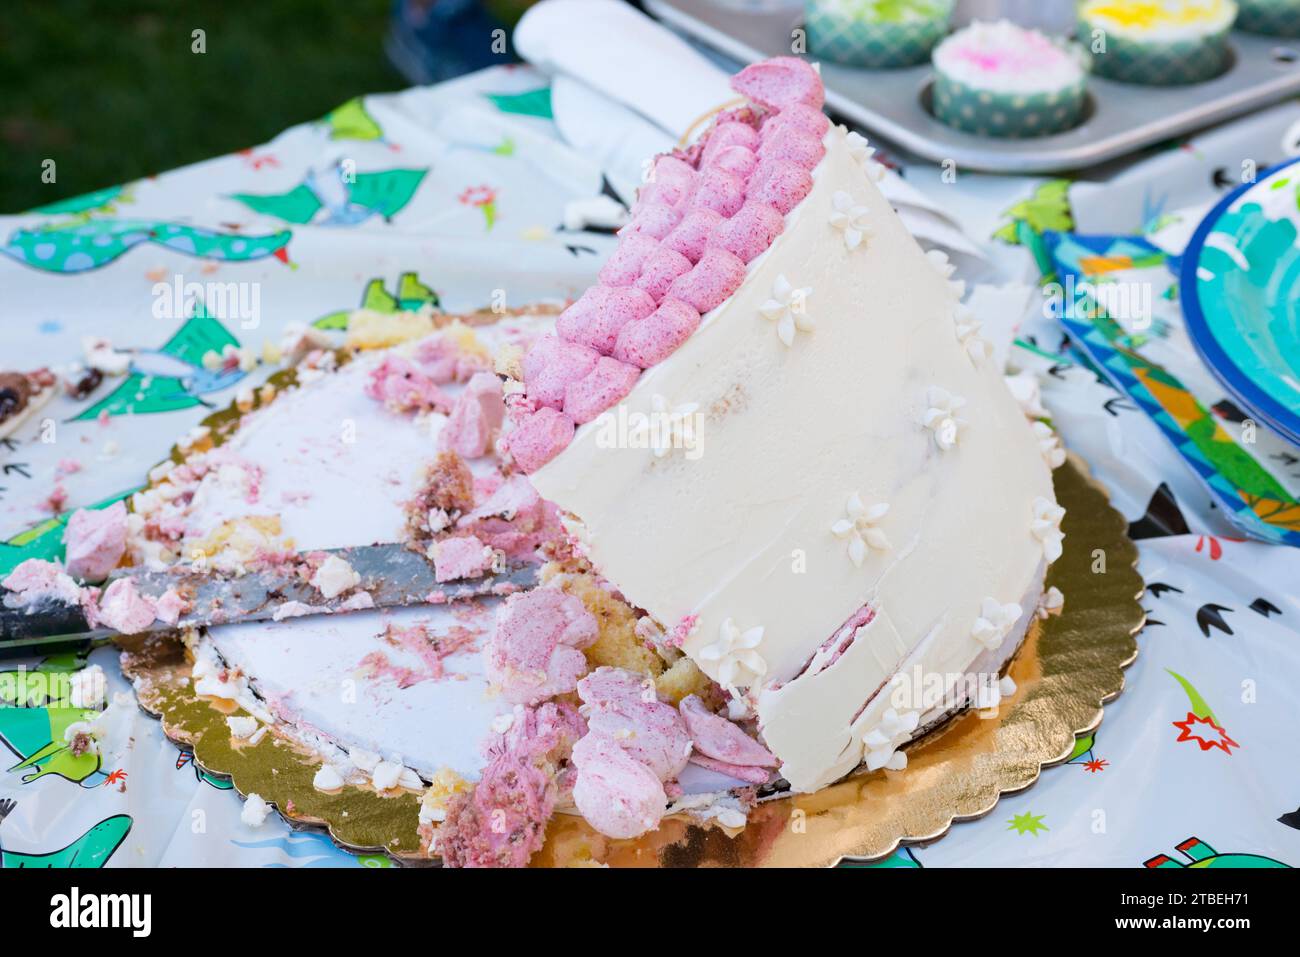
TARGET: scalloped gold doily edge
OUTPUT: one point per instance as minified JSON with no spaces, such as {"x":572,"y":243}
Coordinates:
{"x":1069,"y":667}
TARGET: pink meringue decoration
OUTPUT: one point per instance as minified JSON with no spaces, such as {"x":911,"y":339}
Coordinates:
{"x":794,"y":146}
{"x":716,"y":737}
{"x":780,"y":82}
{"x":536,"y":651}
{"x":550,"y":364}
{"x":653,"y":339}
{"x":727,"y":134}
{"x":691,"y":235}
{"x":607,"y":383}
{"x":616,"y":794}
{"x":172,"y":604}
{"x":716,"y":276}
{"x":780,"y":184}
{"x":750,"y":232}
{"x":810,"y":119}
{"x":122,"y":608}
{"x":654,"y":219}
{"x":624,"y":263}
{"x":594,"y":320}
{"x":719,"y":191}
{"x":539,"y":437}
{"x":460,"y":556}
{"x":624,"y":706}
{"x":476,"y":416}
{"x":401,"y":386}
{"x":658,"y":272}
{"x":736,"y":160}
{"x":95,"y":540}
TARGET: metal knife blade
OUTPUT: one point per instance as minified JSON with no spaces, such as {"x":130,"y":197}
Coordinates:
{"x":393,"y":575}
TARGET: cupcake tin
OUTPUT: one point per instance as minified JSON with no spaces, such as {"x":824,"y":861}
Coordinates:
{"x":1119,"y":118}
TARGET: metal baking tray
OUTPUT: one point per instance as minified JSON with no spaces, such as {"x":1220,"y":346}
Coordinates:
{"x":1119,"y":118}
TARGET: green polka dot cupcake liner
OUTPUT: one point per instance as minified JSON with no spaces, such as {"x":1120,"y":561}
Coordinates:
{"x":1008,"y":115}
{"x":1152,"y":63}
{"x":853,"y":40}
{"x":1272,"y":18}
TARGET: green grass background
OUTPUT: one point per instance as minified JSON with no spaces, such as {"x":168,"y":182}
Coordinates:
{"x":111,"y":91}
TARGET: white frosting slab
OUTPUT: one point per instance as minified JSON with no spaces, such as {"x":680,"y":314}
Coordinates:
{"x":312,"y":667}
{"x":743,"y":531}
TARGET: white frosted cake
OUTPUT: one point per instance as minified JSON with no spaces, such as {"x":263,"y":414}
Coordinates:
{"x":784,"y":512}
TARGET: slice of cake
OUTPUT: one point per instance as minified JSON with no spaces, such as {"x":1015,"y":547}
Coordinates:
{"x":773,"y":427}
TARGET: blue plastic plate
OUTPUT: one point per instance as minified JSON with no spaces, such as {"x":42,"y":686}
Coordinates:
{"x":1240,"y":289}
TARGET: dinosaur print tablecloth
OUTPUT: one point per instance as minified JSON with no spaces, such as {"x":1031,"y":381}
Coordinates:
{"x":454,"y":196}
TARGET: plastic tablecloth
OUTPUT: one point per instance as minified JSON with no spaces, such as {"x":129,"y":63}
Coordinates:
{"x":455,"y":195}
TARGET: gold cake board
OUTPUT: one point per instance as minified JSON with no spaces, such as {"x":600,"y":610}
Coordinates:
{"x":1068,"y":667}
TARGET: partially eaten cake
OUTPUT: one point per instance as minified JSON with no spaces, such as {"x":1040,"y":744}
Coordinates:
{"x":786,"y":514}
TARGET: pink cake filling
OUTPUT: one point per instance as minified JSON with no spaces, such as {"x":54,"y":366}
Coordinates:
{"x":95,"y":540}
{"x":704,"y":214}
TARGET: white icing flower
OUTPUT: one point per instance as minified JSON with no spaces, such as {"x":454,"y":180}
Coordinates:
{"x":883,"y":740}
{"x":1049,"y":444}
{"x":1052,"y":602}
{"x":859,"y":527}
{"x":1046,"y":527}
{"x":864,"y":155}
{"x":941,"y":417}
{"x":668,"y":427}
{"x":850,"y":218}
{"x":788,"y":308}
{"x":939,"y":259}
{"x":1025,"y":387}
{"x":739,"y":663}
{"x":968,"y":329}
{"x":958,"y":287}
{"x":994,"y":622}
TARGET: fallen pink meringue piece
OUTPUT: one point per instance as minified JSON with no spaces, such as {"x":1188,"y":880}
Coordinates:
{"x":462,"y":556}
{"x":617,"y":795}
{"x":623,"y":705}
{"x":95,"y":540}
{"x":535,"y":652}
{"x":716,"y":737}
{"x":742,"y":772}
{"x":36,"y":580}
{"x":122,"y":608}
{"x":400,"y":385}
{"x":475,"y":417}
{"x":171,"y":605}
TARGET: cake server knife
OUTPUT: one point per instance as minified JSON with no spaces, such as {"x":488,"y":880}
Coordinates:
{"x":393,"y":576}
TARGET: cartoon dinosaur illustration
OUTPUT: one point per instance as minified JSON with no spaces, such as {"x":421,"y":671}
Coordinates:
{"x":91,"y":850}
{"x":1201,"y":725}
{"x":1199,"y":854}
{"x":100,"y":201}
{"x":1083,"y":754}
{"x":529,"y":103}
{"x":82,"y":243}
{"x":902,"y":857}
{"x":186,"y":759}
{"x":352,"y":121}
{"x":411,"y":296}
{"x":172,"y":376}
{"x":44,"y":540}
{"x":36,"y":734}
{"x":1047,"y":209}
{"x":338,"y":196}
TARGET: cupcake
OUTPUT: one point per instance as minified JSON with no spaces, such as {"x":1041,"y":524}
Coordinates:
{"x":876,"y":34}
{"x":998,"y":79}
{"x":1274,"y":18}
{"x":1158,"y":42}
